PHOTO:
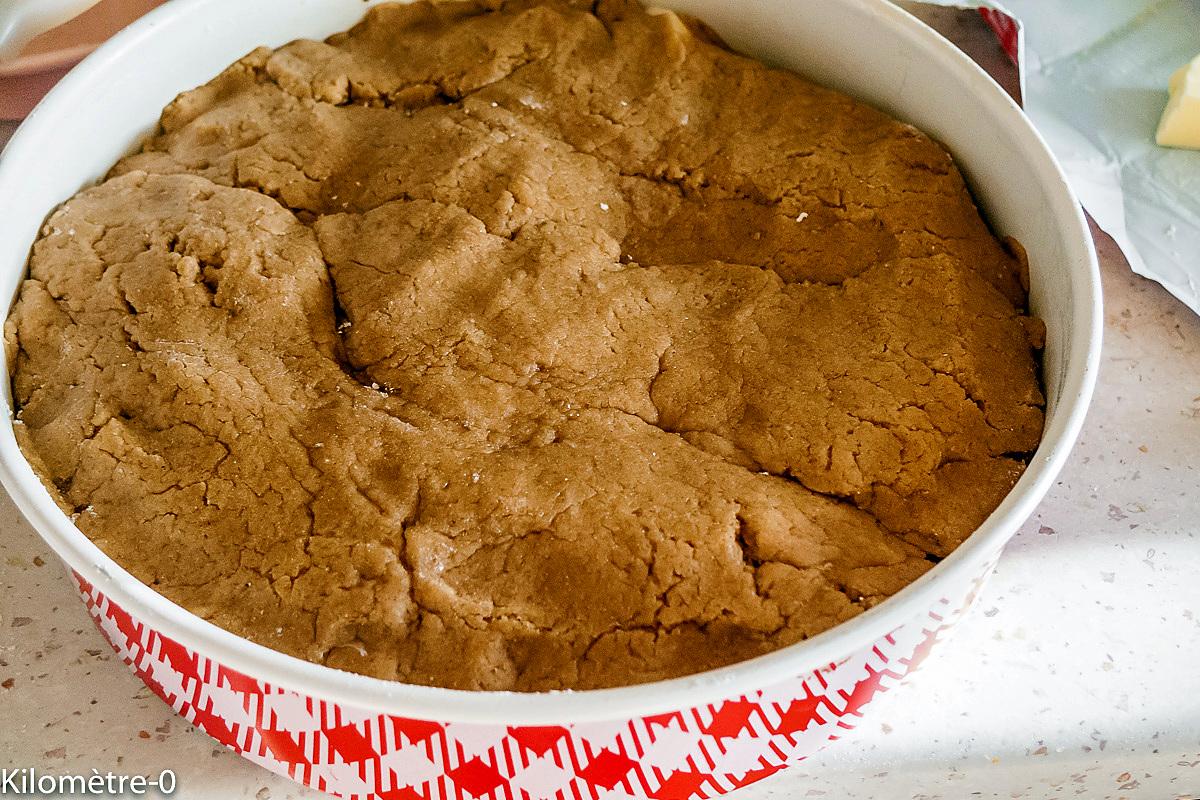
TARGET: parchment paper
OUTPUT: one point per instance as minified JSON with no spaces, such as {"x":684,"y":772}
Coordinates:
{"x":1095,"y":75}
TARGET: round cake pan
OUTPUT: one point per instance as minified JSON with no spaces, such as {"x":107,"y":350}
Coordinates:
{"x":698,"y":736}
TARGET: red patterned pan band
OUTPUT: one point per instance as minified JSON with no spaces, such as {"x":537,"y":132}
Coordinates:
{"x":360,"y":754}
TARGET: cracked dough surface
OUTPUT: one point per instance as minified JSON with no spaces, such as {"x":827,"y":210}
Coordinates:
{"x":525,"y":345}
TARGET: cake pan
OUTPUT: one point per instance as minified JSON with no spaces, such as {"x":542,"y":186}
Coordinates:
{"x":698,"y":736}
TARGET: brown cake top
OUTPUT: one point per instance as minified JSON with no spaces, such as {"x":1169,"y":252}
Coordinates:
{"x":525,"y":346}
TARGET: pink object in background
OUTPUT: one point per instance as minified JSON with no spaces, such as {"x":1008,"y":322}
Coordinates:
{"x":47,"y":58}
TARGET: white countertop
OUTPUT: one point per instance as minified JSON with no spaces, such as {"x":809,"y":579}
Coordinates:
{"x":1076,"y":675}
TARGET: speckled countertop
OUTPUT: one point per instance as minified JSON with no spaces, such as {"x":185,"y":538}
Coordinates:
{"x":1075,"y":676}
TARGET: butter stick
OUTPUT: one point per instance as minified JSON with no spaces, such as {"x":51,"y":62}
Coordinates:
{"x":1180,"y":126}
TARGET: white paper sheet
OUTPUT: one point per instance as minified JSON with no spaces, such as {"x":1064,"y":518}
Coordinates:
{"x":1096,"y":79}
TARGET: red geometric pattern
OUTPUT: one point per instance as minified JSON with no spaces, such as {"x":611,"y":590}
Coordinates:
{"x":607,"y":769}
{"x":730,"y":720}
{"x":537,"y":739}
{"x":476,"y":777}
{"x":799,"y":715}
{"x":688,"y":754}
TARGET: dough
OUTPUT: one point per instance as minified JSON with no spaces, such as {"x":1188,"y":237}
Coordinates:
{"x":525,"y":345}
